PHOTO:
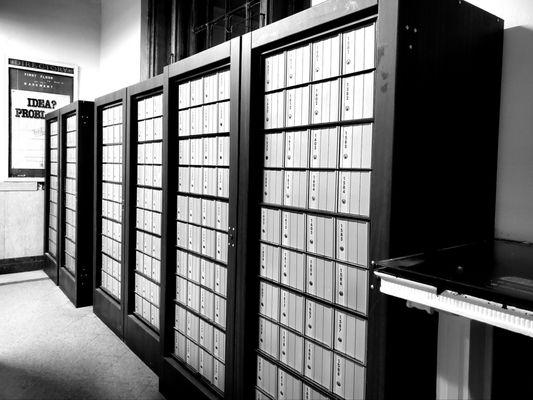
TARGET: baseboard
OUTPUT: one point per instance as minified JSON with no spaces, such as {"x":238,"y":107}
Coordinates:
{"x":21,"y":264}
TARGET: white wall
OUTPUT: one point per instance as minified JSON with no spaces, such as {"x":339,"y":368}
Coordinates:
{"x":514,"y":200}
{"x":120,"y":45}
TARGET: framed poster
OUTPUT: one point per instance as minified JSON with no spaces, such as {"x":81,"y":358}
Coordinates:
{"x":35,"y":88}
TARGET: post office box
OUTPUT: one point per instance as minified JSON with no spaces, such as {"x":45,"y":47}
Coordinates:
{"x":350,"y":335}
{"x":269,"y":301}
{"x":296,"y":149}
{"x":269,"y":337}
{"x":208,"y":213}
{"x":148,"y":175}
{"x":207,"y":274}
{"x":180,"y":346}
{"x":192,"y":326}
{"x":158,"y":176}
{"x":293,"y":230}
{"x":349,"y":378}
{"x":370,"y":44}
{"x":138,"y":304}
{"x":322,"y":189}
{"x":193,"y":268}
{"x":289,"y":387}
{"x":219,"y":344}
{"x":268,"y":113}
{"x":210,"y":89}
{"x":195,"y":210}
{"x":221,"y":280}
{"x":273,"y":150}
{"x":311,"y":394}
{"x":196,"y":121}
{"x":195,"y":238}
{"x":269,"y":262}
{"x":147,"y":221}
{"x":222,"y":215}
{"x":146,"y":308}
{"x":181,"y":263}
{"x":270,"y":225}
{"x":218,"y":374}
{"x":184,"y":180}
{"x":291,"y":310}
{"x":292,"y":269}
{"x":195,"y":180}
{"x":273,"y":186}
{"x":318,"y":364}
{"x":205,"y":364}
{"x":210,"y":118}
{"x":224,"y":117}
{"x":267,"y":376}
{"x":319,"y":322}
{"x":156,"y":200}
{"x":354,"y":193}
{"x":193,"y":296}
{"x":223,"y":151}
{"x":184,"y":95}
{"x":182,"y":208}
{"x":184,"y":123}
{"x":320,"y":278}
{"x":223,"y":85}
{"x":149,"y":130}
{"x":298,"y":62}
{"x":352,"y":242}
{"x":220,"y":311}
{"x":196,"y":152}
{"x":156,"y":270}
{"x":209,"y":183}
{"x":324,"y":148}
{"x":147,"y":265}
{"x":182,"y":235}
{"x":158,"y":153}
{"x":207,"y":304}
{"x":223,"y":182}
{"x":295,"y":189}
{"x":208,"y":242}
{"x":356,"y":146}
{"x":149,"y":107}
{"x":221,"y":247}
{"x":209,"y":151}
{"x":196,"y":87}
{"x":206,"y":335}
{"x":184,"y":152}
{"x":351,"y":287}
{"x":192,"y":354}
{"x":320,"y":235}
{"x":291,"y":349}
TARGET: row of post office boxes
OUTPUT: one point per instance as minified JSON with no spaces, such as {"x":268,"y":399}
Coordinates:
{"x":112,"y":248}
{"x":70,"y":232}
{"x":150,"y":107}
{"x":203,"y":241}
{"x":149,"y":199}
{"x":312,"y":319}
{"x":72,"y":138}
{"x":334,"y":282}
{"x":54,"y":140}
{"x":150,"y":129}
{"x":111,"y":267}
{"x":209,"y":151}
{"x":207,"y":89}
{"x":204,"y":181}
{"x":110,"y":172}
{"x":350,"y":52}
{"x":200,"y":360}
{"x":147,"y":289}
{"x":324,"y":236}
{"x":70,"y":186}
{"x":111,"y":210}
{"x":148,"y":265}
{"x":53,"y":195}
{"x":112,"y":115}
{"x":111,"y":154}
{"x":209,"y":213}
{"x":112,"y":229}
{"x":319,"y":103}
{"x":148,"y":244}
{"x":112,"y":134}
{"x":202,"y":301}
{"x":204,"y":120}
{"x":72,"y":122}
{"x":70,"y":201}
{"x":343,"y":191}
{"x":112,"y":191}
{"x":150,"y":153}
{"x":203,"y":272}
{"x":149,"y":175}
{"x":111,"y":285}
{"x":201,"y":331}
{"x":146,"y":310}
{"x":333,"y":372}
{"x":70,"y":217}
{"x":70,"y":263}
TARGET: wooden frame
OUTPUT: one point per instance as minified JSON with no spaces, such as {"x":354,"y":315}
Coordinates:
{"x":78,"y":286}
{"x":51,"y":264}
{"x":107,"y":307}
{"x":176,"y":375}
{"x":142,"y":339}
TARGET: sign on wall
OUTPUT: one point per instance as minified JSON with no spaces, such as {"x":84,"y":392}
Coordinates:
{"x":35,"y":89}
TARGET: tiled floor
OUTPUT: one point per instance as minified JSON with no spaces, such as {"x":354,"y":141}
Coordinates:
{"x":51,"y":350}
